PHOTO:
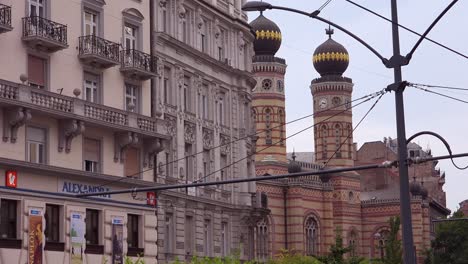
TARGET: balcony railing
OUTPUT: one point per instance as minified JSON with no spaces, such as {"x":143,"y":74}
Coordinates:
{"x":138,"y":64}
{"x":5,"y":18}
{"x":44,"y":32}
{"x":99,"y":52}
{"x":71,"y":107}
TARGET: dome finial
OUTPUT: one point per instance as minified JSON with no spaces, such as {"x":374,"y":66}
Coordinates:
{"x":329,"y":31}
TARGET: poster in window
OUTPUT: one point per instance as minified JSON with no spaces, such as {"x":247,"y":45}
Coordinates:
{"x":35,"y":237}
{"x":77,"y":236}
{"x":117,"y":241}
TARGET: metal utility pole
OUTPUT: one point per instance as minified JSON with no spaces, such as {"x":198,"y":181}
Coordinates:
{"x":405,"y":202}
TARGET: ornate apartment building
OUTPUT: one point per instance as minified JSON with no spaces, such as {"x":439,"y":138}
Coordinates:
{"x":99,"y":95}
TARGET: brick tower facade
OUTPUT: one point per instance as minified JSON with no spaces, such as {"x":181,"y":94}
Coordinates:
{"x":332,"y":97}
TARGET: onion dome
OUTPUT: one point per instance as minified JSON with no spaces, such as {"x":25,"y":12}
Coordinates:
{"x":424,"y":191}
{"x":330,"y":58}
{"x":293,"y":166}
{"x":267,"y":36}
{"x":415,"y":187}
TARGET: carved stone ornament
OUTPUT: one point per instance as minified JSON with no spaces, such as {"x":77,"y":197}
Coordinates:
{"x":217,"y":29}
{"x":123,"y":140}
{"x":207,"y":139}
{"x":151,"y":148}
{"x":14,"y":118}
{"x":241,"y":40}
{"x":225,"y":145}
{"x":180,"y":75}
{"x":170,"y":125}
{"x":68,"y":130}
{"x":181,"y":9}
{"x":200,"y":21}
{"x":160,"y":67}
{"x":189,"y":133}
{"x":163,"y":3}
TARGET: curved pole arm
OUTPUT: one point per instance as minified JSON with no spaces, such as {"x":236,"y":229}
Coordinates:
{"x":315,"y":14}
{"x":423,"y":36}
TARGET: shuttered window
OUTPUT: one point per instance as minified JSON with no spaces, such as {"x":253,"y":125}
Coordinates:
{"x":37,"y":71}
{"x":132,"y":163}
{"x":36,"y":144}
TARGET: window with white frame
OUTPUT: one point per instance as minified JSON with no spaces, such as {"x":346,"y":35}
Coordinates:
{"x":37,"y":8}
{"x":311,"y":233}
{"x":36,"y":144}
{"x":91,"y":23}
{"x":91,"y":87}
{"x":132,"y":94}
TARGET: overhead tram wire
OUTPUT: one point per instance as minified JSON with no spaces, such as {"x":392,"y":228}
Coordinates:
{"x":441,"y":94}
{"x":354,"y":129}
{"x":372,"y":95}
{"x":380,"y":94}
{"x":407,"y":29}
{"x":439,"y":86}
{"x":324,"y":5}
{"x":385,"y":164}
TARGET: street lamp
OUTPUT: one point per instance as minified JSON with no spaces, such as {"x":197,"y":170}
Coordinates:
{"x":395,"y":62}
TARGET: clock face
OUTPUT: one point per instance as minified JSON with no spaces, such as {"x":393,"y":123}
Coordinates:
{"x":323,"y":103}
{"x":336,"y":101}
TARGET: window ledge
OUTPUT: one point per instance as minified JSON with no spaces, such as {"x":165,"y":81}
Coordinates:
{"x":135,"y":252}
{"x":94,"y":249}
{"x":10,"y":243}
{"x":55,"y":246}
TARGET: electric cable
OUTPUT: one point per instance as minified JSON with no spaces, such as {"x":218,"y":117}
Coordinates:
{"x":324,"y":5}
{"x":354,"y":129}
{"x":381,"y":93}
{"x":440,"y":94}
{"x":241,"y":138}
{"x":439,"y":86}
{"x":407,"y":29}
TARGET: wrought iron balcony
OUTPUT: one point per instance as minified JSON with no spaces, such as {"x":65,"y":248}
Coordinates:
{"x":98,"y":52}
{"x":5,"y":18}
{"x":37,"y":100}
{"x":39,"y":32}
{"x":137,"y":64}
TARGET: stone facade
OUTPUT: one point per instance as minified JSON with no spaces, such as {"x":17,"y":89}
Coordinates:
{"x":111,"y":95}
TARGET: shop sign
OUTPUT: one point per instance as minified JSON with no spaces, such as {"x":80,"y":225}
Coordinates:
{"x":11,"y":179}
{"x":80,"y":188}
{"x":151,"y":198}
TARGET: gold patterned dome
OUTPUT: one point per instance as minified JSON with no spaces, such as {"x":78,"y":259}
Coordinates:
{"x":267,"y":36}
{"x":331,"y":58}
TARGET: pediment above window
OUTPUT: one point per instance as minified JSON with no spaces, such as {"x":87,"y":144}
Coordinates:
{"x":133,"y":13}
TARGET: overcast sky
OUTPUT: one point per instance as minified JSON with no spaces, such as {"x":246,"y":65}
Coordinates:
{"x":431,"y":64}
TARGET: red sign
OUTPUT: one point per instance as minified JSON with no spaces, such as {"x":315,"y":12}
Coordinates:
{"x":151,"y":198}
{"x":11,"y":179}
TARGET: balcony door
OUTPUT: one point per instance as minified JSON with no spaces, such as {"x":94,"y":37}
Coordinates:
{"x":130,"y":36}
{"x":91,"y":22}
{"x":37,"y":8}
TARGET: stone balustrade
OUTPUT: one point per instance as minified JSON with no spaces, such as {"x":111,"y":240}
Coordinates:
{"x":72,"y":107}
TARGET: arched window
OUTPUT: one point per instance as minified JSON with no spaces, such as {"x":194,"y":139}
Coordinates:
{"x":268,"y":140}
{"x":311,"y":236}
{"x":380,"y":242}
{"x":338,"y":140}
{"x":262,"y":240}
{"x":352,"y":242}
{"x":324,"y":135}
{"x":350,"y":141}
{"x":282,"y":126}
